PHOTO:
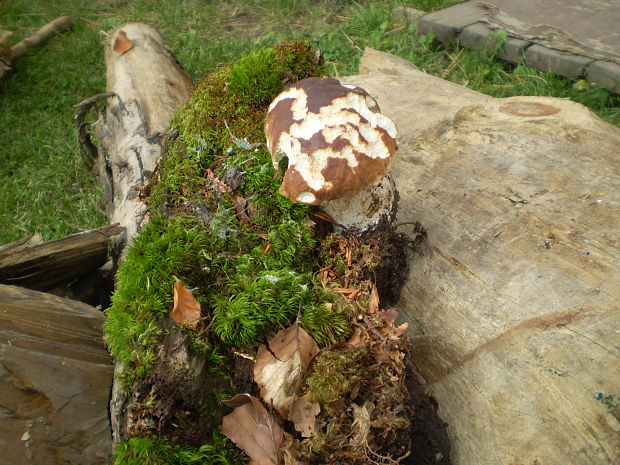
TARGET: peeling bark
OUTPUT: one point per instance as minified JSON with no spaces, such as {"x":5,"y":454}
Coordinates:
{"x":147,"y":84}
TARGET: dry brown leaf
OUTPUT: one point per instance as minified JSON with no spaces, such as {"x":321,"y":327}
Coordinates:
{"x":303,"y":415}
{"x":389,"y":330}
{"x":122,"y":43}
{"x":280,"y":370}
{"x":356,"y":339}
{"x":240,"y":207}
{"x":186,"y":309}
{"x":361,"y":423}
{"x":253,"y":429}
{"x":373,"y":301}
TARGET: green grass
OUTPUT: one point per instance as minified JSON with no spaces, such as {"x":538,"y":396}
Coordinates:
{"x":44,"y":186}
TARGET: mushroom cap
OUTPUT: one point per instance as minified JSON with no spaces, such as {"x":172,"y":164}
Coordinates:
{"x":336,"y":140}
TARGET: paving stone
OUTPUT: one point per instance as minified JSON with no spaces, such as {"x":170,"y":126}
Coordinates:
{"x":513,"y":50}
{"x":478,"y":37}
{"x":556,"y":61}
{"x":446,"y":24}
{"x":606,"y":74}
{"x":410,"y":14}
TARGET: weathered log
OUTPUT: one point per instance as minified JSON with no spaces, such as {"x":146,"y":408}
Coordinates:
{"x":55,"y":381}
{"x":5,"y":52}
{"x":148,"y":84}
{"x":42,"y":266}
{"x":513,"y":298}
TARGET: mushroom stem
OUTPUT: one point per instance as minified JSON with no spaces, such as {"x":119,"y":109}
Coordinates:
{"x":366,"y":211}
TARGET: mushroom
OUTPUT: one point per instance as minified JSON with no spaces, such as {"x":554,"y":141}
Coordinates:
{"x":339,"y":148}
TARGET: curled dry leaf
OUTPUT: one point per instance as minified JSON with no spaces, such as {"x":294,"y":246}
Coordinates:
{"x":389,"y":329}
{"x":280,"y":370}
{"x":303,"y":415}
{"x":373,"y":301}
{"x":122,"y":43}
{"x":186,"y":309}
{"x":253,"y":429}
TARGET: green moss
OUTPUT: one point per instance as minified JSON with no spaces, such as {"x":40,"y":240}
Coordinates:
{"x":157,"y":451}
{"x":253,"y":272}
{"x":167,"y":249}
{"x":335,"y":374}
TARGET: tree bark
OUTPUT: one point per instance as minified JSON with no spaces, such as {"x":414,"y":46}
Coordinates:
{"x":513,"y":298}
{"x":42,"y":266}
{"x":148,"y":84}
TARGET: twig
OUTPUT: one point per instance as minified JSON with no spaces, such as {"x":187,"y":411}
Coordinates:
{"x":41,"y":36}
{"x":385,"y":34}
{"x":351,"y":41}
{"x":538,"y":77}
{"x":455,"y":61}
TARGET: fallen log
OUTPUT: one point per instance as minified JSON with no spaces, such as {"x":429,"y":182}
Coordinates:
{"x":44,"y":265}
{"x":145,"y":84}
{"x":55,"y":380}
{"x":513,"y":298}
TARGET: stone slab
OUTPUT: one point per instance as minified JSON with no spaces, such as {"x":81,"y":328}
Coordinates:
{"x":478,"y":37}
{"x":446,"y":24}
{"x":558,"y":62}
{"x":564,"y":37}
{"x":606,"y":74}
{"x":410,"y":14}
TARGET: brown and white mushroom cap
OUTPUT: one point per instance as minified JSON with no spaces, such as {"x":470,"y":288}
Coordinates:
{"x":336,"y":140}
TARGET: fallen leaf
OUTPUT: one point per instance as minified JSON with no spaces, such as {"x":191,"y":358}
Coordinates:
{"x":390,"y":330}
{"x":253,"y":429}
{"x":280,"y":369}
{"x":373,"y":301}
{"x":361,"y":423}
{"x":240,"y":208}
{"x":122,"y":43}
{"x":303,"y":415}
{"x":186,"y":309}
{"x":356,"y":339}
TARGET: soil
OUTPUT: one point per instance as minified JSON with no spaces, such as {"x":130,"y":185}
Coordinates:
{"x":393,"y":268}
{"x":429,"y":435}
{"x":176,"y":399}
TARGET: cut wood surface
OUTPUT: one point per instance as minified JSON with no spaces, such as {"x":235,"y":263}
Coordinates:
{"x":44,"y":265}
{"x":513,"y":298}
{"x":149,"y":84}
{"x":55,"y":381}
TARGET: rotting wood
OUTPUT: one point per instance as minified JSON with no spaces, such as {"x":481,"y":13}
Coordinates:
{"x":145,"y":84}
{"x":42,"y":266}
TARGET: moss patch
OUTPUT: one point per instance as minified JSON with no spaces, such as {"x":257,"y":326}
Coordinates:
{"x":218,"y":225}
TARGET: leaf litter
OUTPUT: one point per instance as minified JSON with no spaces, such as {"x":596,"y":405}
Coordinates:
{"x":346,"y":404}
